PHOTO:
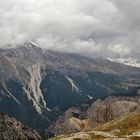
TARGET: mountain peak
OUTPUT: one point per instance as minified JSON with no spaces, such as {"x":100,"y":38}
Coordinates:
{"x":30,"y":44}
{"x":126,"y":61}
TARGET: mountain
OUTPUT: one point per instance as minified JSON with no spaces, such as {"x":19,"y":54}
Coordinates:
{"x":11,"y":129}
{"x":127,"y":61}
{"x":36,"y":86}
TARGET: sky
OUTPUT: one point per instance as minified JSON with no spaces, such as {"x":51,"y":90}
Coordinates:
{"x":95,"y":28}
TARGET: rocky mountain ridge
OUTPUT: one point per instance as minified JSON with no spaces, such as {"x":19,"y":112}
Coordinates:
{"x":11,"y":129}
{"x":39,"y":85}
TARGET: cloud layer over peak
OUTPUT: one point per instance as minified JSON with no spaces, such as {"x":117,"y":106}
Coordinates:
{"x":104,"y":28}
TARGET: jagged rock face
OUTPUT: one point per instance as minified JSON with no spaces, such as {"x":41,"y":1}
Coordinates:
{"x":65,"y":123}
{"x":73,"y":125}
{"x":21,"y":73}
{"x":38,"y":85}
{"x":111,"y":108}
{"x":76,"y":119}
{"x":10,"y":129}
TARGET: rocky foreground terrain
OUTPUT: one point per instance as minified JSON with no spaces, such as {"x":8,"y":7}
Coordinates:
{"x":85,"y":117}
{"x":126,"y":128}
{"x":112,"y":118}
{"x":11,"y":129}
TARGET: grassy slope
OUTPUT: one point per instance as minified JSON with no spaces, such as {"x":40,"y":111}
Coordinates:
{"x":127,"y":127}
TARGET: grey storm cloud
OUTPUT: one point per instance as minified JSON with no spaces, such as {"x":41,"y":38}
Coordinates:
{"x":104,"y":28}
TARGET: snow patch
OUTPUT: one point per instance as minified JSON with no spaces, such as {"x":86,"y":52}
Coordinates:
{"x":34,"y":92}
{"x":73,"y":85}
{"x":126,"y":61}
{"x":10,"y":94}
{"x":33,"y":44}
{"x":35,"y":104}
{"x":90,"y":97}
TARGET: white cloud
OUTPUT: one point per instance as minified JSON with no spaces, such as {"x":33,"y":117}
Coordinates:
{"x":119,"y":49}
{"x":92,"y":27}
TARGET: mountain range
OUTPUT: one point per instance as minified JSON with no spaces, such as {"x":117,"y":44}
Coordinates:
{"x":37,"y":85}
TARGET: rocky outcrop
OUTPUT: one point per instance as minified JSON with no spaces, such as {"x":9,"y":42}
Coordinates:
{"x":72,"y":125}
{"x":126,"y":128}
{"x":76,"y":119}
{"x":71,"y":121}
{"x":11,"y":129}
{"x":111,"y":108}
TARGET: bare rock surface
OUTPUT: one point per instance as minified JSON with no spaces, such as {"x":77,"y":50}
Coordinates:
{"x":10,"y":129}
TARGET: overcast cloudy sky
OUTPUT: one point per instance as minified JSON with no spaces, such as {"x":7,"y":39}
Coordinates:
{"x":92,"y":27}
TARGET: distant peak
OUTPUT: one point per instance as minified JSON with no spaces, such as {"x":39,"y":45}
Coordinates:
{"x":33,"y":43}
{"x":126,"y":61}
{"x":30,"y":44}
